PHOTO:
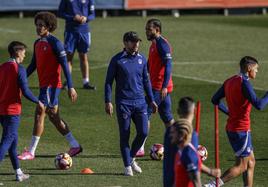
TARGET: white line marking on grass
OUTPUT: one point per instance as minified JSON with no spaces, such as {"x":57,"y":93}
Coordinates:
{"x":210,"y":62}
{"x":93,"y":67}
{"x":204,"y":62}
{"x":196,"y":78}
{"x":9,"y":30}
{"x":176,"y":75}
{"x":99,"y":66}
{"x":176,"y":63}
{"x":206,"y":80}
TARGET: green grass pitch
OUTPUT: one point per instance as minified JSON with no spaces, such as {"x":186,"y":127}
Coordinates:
{"x":206,"y":51}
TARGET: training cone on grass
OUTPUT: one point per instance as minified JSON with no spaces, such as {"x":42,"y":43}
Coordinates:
{"x":86,"y":171}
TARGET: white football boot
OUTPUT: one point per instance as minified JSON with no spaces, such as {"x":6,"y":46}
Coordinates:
{"x":213,"y":183}
{"x":135,"y":167}
{"x":128,"y":171}
{"x":22,"y":177}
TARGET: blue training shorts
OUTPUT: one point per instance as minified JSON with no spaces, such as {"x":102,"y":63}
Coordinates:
{"x":77,"y":40}
{"x":164,"y":107}
{"x":241,"y":143}
{"x":49,"y":96}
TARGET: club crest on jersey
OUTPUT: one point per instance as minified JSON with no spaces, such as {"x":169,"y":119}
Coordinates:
{"x":92,"y":8}
{"x":62,"y":53}
{"x":125,"y":116}
{"x":168,"y":55}
{"x":140,"y":61}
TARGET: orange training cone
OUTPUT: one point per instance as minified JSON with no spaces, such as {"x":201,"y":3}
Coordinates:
{"x":86,"y":171}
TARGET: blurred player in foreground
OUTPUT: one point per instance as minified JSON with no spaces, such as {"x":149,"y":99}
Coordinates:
{"x":159,"y":67}
{"x":48,"y":58}
{"x":13,"y":82}
{"x":185,"y":110}
{"x":187,"y":164}
{"x":129,"y":69}
{"x":240,"y":97}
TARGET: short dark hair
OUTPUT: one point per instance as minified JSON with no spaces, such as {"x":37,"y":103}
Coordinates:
{"x":183,"y":128}
{"x":15,"y":46}
{"x":155,"y":22}
{"x":131,"y":36}
{"x":49,"y":18}
{"x":184,"y":106}
{"x":245,"y":61}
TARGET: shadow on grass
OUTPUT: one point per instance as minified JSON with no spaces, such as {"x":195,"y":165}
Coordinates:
{"x":83,"y":156}
{"x":43,"y":169}
{"x":75,"y":173}
{"x":257,"y":159}
{"x":62,"y":173}
{"x":6,"y":173}
{"x":261,"y":159}
{"x":146,"y":159}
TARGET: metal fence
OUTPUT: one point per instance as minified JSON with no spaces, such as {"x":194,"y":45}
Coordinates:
{"x":30,"y":5}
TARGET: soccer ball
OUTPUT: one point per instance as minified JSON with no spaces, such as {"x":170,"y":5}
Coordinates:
{"x":202,"y":150}
{"x":63,"y":161}
{"x":157,"y":152}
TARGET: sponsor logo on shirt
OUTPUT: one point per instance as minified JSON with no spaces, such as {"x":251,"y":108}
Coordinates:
{"x":191,"y":167}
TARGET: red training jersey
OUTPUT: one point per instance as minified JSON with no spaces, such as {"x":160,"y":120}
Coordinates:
{"x":10,"y":97}
{"x":159,"y":49}
{"x":48,"y":67}
{"x":186,"y":160}
{"x":239,"y":107}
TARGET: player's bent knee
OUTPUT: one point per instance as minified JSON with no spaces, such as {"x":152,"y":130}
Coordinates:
{"x":40,"y":110}
{"x":247,"y":163}
{"x":52,"y":114}
{"x":51,"y":111}
{"x":241,"y":164}
{"x":251,"y":163}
